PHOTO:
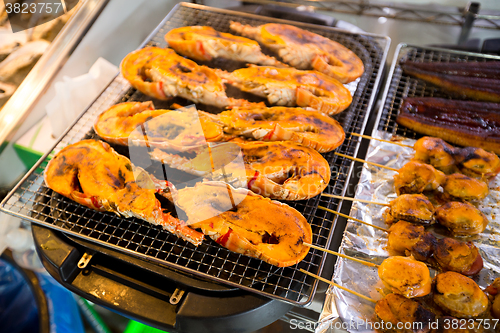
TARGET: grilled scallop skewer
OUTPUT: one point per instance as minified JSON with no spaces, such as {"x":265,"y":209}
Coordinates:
{"x":471,"y":161}
{"x":401,"y":275}
{"x":446,"y":253}
{"x":417,"y":177}
{"x":460,"y":218}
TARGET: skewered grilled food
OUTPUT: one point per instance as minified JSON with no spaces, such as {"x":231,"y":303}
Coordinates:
{"x":306,"y":50}
{"x":405,"y":276}
{"x":464,"y":187}
{"x":436,"y":152}
{"x":91,"y":173}
{"x":450,"y":254}
{"x":464,"y":123}
{"x":278,"y":170}
{"x":416,"y":177}
{"x":459,"y":295}
{"x":461,"y":218}
{"x":188,"y":130}
{"x":409,"y":239}
{"x":162,"y":73}
{"x":291,"y":87}
{"x":410,"y":207}
{"x":456,"y":256}
{"x":397,"y":309}
{"x":477,"y":162}
{"x":246,"y":223}
{"x":205,"y":43}
{"x":481,"y":87}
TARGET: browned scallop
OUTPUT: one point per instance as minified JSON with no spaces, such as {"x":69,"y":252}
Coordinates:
{"x":463,"y":187}
{"x":477,"y":162}
{"x":457,"y":256}
{"x":410,"y":207}
{"x":405,"y":276}
{"x":395,"y":309}
{"x":459,"y":296}
{"x":461,"y":218}
{"x":436,"y":152}
{"x":416,"y":177}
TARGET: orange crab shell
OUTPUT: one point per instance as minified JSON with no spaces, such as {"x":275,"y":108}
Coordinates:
{"x":186,"y":41}
{"x":247,"y":223}
{"x":167,"y":129}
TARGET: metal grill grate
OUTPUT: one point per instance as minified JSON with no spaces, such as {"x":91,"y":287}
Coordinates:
{"x":402,"y":85}
{"x":32,"y":200}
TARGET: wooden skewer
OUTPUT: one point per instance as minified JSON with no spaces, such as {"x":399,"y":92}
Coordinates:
{"x":367,"y":162}
{"x":382,"y":140}
{"x":370,"y":264}
{"x":354,"y":199}
{"x":337,"y":285}
{"x":353,"y":218}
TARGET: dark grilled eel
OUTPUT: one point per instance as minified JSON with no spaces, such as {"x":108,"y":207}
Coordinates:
{"x":464,"y":123}
{"x":462,"y":80}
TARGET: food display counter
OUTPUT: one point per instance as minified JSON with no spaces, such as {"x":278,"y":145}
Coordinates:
{"x":231,"y":271}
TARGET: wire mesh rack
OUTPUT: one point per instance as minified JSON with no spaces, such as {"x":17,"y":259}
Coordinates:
{"x":33,"y":201}
{"x":402,"y":85}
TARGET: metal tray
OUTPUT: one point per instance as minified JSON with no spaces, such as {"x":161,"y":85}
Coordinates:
{"x":367,"y":243}
{"x":33,"y":201}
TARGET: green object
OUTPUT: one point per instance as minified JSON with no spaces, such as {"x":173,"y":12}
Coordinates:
{"x":27,"y":155}
{"x":136,"y":327}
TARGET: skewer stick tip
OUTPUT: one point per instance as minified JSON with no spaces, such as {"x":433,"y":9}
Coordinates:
{"x":337,"y":285}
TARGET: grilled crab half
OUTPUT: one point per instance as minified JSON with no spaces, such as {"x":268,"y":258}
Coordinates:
{"x":277,"y":170}
{"x":94,"y":175}
{"x":306,"y":50}
{"x":291,"y":87}
{"x":205,"y":43}
{"x":246,"y":223}
{"x":91,"y":173}
{"x":162,"y":73}
{"x":187,"y":130}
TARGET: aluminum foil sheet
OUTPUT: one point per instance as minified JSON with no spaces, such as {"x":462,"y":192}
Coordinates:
{"x":342,"y":309}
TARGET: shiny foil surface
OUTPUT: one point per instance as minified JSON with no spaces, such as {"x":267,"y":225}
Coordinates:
{"x":367,"y":243}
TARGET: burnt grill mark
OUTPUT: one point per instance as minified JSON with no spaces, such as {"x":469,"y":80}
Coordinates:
{"x":270,"y":238}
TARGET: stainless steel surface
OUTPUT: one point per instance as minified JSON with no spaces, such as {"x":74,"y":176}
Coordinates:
{"x":33,"y":201}
{"x":19,"y":105}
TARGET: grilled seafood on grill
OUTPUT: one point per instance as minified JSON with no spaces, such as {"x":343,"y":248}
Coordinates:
{"x":462,"y":187}
{"x":309,"y":128}
{"x":246,"y":223}
{"x":410,"y":207}
{"x":178,"y":130}
{"x":278,"y":170}
{"x":396,"y":309}
{"x":162,"y":73}
{"x":416,"y":177}
{"x":306,"y":50}
{"x":91,"y":173}
{"x":405,"y":276}
{"x":290,"y":87}
{"x":205,"y":43}
{"x":461,"y":218}
{"x":459,"y":295}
